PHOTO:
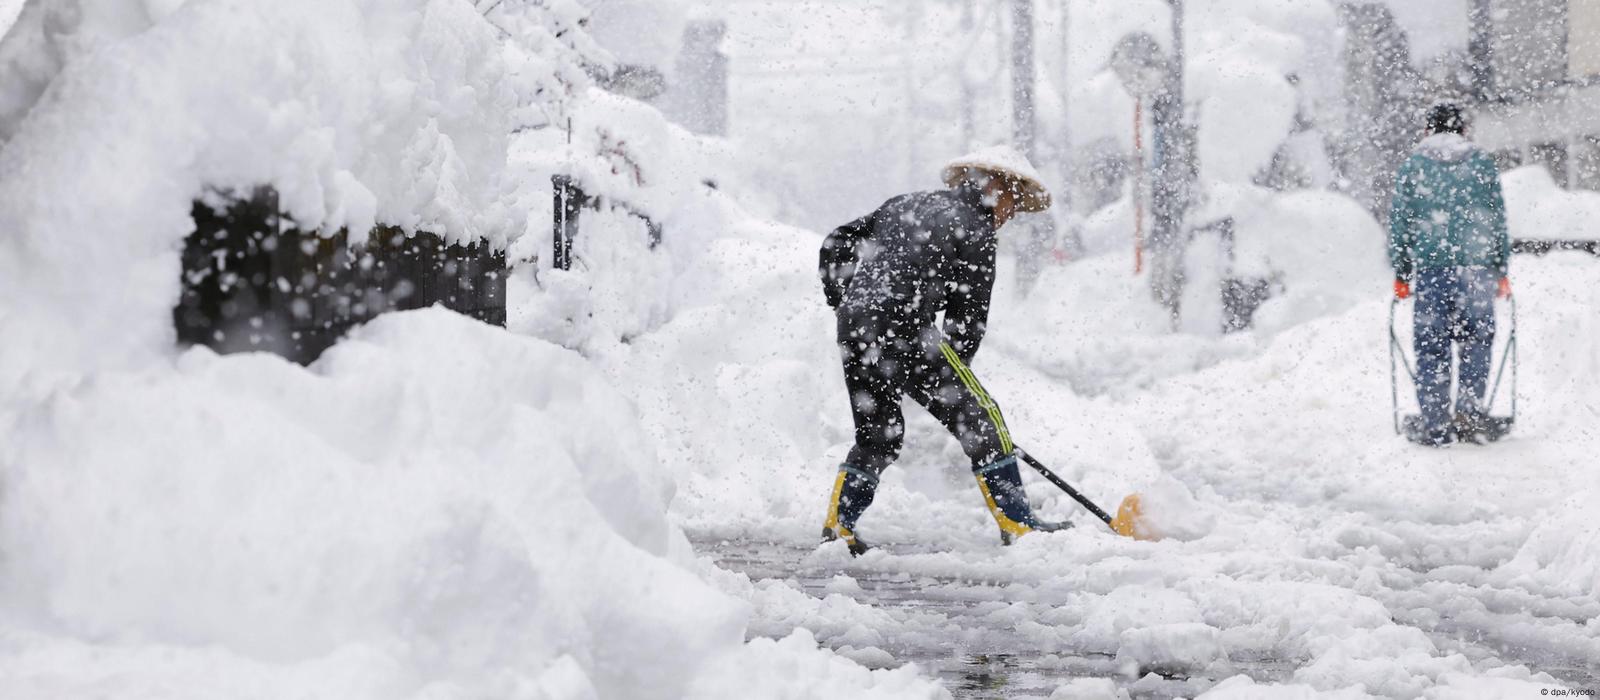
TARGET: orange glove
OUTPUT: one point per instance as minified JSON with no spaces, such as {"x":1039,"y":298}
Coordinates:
{"x":1505,"y":288}
{"x":1401,"y":289}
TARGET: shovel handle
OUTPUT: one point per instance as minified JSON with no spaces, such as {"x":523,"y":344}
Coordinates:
{"x":1064,"y":486}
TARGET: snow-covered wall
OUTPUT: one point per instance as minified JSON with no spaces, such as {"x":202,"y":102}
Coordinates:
{"x":392,"y":111}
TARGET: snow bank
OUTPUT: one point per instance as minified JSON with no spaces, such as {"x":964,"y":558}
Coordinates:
{"x":1563,"y":550}
{"x":1323,"y":251}
{"x":475,"y":519}
{"x":1538,"y":208}
{"x":735,"y":379}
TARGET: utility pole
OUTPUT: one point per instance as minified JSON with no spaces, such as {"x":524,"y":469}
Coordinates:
{"x":1480,"y":53}
{"x":1138,"y":184}
{"x":1066,"y":84}
{"x":1071,"y":242}
{"x":1022,"y":122}
{"x":967,"y":97}
{"x":1175,"y":174}
{"x":909,"y":81}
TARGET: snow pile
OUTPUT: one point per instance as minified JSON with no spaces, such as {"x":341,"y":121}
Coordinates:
{"x":1170,"y":648}
{"x":736,"y":381}
{"x":1563,"y":551}
{"x":1169,"y":511}
{"x":1323,"y":251}
{"x":1536,"y":207}
{"x":643,"y":170}
{"x":475,"y":520}
{"x":621,"y":150}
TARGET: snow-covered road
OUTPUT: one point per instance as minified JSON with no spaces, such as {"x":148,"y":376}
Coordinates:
{"x":1317,"y":548}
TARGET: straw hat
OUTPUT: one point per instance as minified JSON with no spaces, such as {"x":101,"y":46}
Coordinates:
{"x":1007,"y":163}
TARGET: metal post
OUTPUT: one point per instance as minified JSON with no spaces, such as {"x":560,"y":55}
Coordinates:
{"x":568,"y":203}
{"x":1066,"y":103}
{"x":967,"y":97}
{"x":1022,"y":119}
{"x":1177,"y":49}
{"x":1138,"y":185}
{"x":908,"y":82}
{"x":1174,"y":176}
{"x":1480,"y":52}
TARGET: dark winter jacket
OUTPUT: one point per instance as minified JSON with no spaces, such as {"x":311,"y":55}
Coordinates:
{"x":889,"y":273}
{"x":1448,"y":210}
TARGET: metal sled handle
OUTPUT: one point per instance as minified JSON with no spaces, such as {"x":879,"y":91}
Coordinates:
{"x":1509,"y":355}
{"x":1396,"y":350}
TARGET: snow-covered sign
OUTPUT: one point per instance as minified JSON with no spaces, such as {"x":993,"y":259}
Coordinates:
{"x":1138,"y":61}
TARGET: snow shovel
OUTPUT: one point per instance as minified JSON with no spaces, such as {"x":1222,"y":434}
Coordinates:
{"x":1411,"y":425}
{"x":1127,"y":521}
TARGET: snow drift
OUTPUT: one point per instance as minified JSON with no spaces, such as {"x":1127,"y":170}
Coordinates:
{"x":463,"y":518}
{"x":1563,"y":552}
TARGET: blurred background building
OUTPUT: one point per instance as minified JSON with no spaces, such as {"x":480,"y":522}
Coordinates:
{"x":1528,"y":69}
{"x":1536,"y":78}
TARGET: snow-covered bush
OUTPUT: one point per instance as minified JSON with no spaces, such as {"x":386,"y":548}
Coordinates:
{"x":358,"y":112}
{"x":640,"y":169}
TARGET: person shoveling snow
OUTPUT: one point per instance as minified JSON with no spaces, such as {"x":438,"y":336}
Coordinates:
{"x":887,"y":275}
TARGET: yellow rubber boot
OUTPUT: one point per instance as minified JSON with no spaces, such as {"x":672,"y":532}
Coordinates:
{"x":853,"y":491}
{"x":1001,"y":485}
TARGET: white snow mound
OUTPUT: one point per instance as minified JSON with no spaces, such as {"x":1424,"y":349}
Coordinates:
{"x":1170,"y":511}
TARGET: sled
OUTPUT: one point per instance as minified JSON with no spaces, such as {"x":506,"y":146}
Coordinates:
{"x":1494,"y":427}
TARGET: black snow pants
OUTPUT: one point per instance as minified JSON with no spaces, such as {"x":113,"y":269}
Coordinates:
{"x":878,"y":373}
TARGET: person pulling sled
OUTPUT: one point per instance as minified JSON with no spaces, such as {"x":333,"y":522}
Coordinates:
{"x":1449,"y":245}
{"x":888,"y":275}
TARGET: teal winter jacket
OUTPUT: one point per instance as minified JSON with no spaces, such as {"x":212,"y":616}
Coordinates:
{"x":1448,"y":210}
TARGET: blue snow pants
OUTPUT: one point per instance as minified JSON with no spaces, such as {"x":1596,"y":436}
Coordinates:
{"x":1455,"y":306}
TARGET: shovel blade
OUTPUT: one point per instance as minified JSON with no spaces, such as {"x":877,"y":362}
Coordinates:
{"x":1129,"y":521}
